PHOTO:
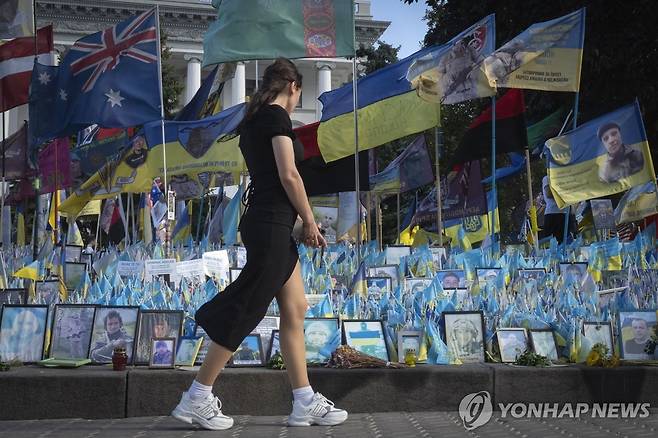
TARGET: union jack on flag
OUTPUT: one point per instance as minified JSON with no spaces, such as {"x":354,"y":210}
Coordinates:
{"x":109,"y":78}
{"x":106,"y":54}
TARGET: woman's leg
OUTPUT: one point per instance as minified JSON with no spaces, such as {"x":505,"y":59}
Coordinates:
{"x":213,"y":364}
{"x":292,"y":308}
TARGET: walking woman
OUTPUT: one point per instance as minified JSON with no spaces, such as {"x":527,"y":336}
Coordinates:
{"x":276,"y":195}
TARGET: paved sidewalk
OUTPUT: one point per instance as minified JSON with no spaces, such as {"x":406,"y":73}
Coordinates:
{"x":392,"y":424}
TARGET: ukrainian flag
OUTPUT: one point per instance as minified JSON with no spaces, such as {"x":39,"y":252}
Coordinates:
{"x":473,"y":228}
{"x":389,"y":108}
{"x":182,"y":229}
{"x":20,"y":225}
{"x":30,"y":272}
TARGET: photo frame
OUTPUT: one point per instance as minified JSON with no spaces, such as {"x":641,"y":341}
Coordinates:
{"x":274,"y":346}
{"x":46,"y":292}
{"x":366,"y":336}
{"x":414,"y":285}
{"x":544,"y":343}
{"x":385,"y":271}
{"x":162,"y":353}
{"x":71,"y":331}
{"x":321,"y":336}
{"x":73,"y":274}
{"x":487,"y":275}
{"x":72,"y":253}
{"x":577,"y":270}
{"x":233,"y":274}
{"x":531,"y":274}
{"x":22,"y":332}
{"x":464,"y":335}
{"x":512,"y":342}
{"x":635,"y":329}
{"x":452,"y":278}
{"x":249,"y":353}
{"x":13,"y":296}
{"x":377,"y":286}
{"x":614,"y":279}
{"x":595,"y":332}
{"x":87,"y":259}
{"x":155,"y":324}
{"x":394,"y":253}
{"x":201,"y":354}
{"x":187,"y":350}
{"x":409,"y":339}
{"x":114,"y":326}
{"x":439,"y":257}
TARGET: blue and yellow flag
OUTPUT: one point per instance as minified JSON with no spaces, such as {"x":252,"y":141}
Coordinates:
{"x":389,"y":108}
{"x":20,"y":225}
{"x":546,"y":56}
{"x":183,"y":227}
{"x":452,"y":73}
{"x":475,"y":228}
{"x":410,"y":170}
{"x":637,"y":203}
{"x":607,"y":155}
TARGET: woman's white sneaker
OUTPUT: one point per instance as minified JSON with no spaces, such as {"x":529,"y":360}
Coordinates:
{"x":320,"y":411}
{"x":207,"y":413}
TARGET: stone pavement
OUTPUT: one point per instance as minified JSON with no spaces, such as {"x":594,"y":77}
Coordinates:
{"x":390,"y":424}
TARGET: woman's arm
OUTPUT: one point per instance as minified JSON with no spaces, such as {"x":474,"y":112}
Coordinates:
{"x":284,"y":156}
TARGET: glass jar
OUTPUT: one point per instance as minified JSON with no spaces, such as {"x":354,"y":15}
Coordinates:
{"x":119,"y":359}
{"x":410,"y":357}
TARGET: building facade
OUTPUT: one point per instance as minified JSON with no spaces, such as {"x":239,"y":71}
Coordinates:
{"x":184,"y":23}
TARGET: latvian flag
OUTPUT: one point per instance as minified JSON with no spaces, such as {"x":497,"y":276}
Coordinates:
{"x":16,"y":62}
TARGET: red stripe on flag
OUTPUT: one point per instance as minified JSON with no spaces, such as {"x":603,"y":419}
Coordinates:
{"x":511,"y":104}
{"x":14,"y":90}
{"x":308,"y":135}
{"x":24,"y":46}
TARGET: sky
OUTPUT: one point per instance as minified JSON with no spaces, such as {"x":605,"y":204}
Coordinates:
{"x":407,"y":27}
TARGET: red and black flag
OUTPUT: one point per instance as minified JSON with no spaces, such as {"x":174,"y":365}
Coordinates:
{"x":511,"y":133}
{"x":321,"y":177}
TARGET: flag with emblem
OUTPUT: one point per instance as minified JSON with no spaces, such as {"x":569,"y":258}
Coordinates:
{"x":109,"y":78}
{"x":268,"y":29}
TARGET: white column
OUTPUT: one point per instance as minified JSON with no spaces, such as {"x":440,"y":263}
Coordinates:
{"x":193,"y":79}
{"x":238,"y":85}
{"x":324,"y":83}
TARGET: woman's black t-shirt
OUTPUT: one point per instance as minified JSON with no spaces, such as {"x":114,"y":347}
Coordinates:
{"x":267,"y":196}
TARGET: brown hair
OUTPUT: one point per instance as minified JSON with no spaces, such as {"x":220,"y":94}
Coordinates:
{"x":276,"y":78}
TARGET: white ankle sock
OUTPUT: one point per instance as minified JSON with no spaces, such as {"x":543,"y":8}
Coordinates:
{"x":303,"y":394}
{"x":199,"y":391}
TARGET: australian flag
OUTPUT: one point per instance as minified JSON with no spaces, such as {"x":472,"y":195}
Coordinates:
{"x":109,"y":78}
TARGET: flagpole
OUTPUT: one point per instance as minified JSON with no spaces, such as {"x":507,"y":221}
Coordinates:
{"x":533,"y":211}
{"x":356,"y":146}
{"x":369,"y":221}
{"x":162,"y":117}
{"x":35,"y":241}
{"x":2,"y":207}
{"x":438,"y":143}
{"x":397,"y":196}
{"x":493,"y":172}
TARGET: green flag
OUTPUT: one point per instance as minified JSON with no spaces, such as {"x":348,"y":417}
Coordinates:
{"x":267,"y":29}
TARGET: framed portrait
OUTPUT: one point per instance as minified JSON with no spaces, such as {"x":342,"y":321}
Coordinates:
{"x":512,"y":342}
{"x":413,"y":285}
{"x":575,"y":271}
{"x":544,"y":343}
{"x":46,"y":292}
{"x":72,"y":253}
{"x":156,"y":324}
{"x":452,"y":278}
{"x":532,"y":274}
{"x":366,"y":336}
{"x":487,"y":276}
{"x":409,"y":340}
{"x":394,"y":253}
{"x":22,"y":332}
{"x":390,"y":271}
{"x":71,"y":331}
{"x":233,"y":274}
{"x":250,"y":352}
{"x":187,"y":350}
{"x":377,"y":286}
{"x":327,"y":220}
{"x":73,"y":274}
{"x":162,"y":353}
{"x":614,"y":279}
{"x":114,"y":326}
{"x":462,"y":296}
{"x":321,"y":336}
{"x":439,"y":257}
{"x":86,"y":259}
{"x":464,"y":332}
{"x":635,"y":329}
{"x":274,"y":346}
{"x":603,"y":214}
{"x":13,"y":296}
{"x":201,"y":355}
{"x":597,"y":333}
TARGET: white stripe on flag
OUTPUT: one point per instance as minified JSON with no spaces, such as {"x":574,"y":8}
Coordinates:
{"x":13,"y":66}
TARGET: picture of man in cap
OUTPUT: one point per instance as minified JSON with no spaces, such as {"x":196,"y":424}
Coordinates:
{"x":621,"y":160}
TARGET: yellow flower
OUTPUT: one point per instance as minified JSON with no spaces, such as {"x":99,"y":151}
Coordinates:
{"x":593,"y":358}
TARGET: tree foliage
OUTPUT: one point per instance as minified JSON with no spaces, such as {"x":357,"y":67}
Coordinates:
{"x":171,"y":86}
{"x":619,"y":64}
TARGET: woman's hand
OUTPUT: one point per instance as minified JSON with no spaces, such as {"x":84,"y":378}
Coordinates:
{"x":312,"y":235}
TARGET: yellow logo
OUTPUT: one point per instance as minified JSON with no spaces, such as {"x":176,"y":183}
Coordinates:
{"x":560,"y":151}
